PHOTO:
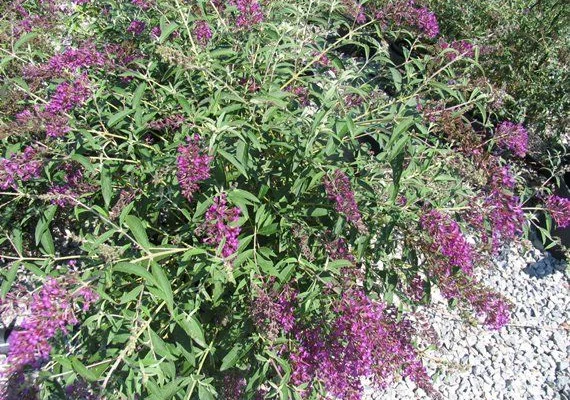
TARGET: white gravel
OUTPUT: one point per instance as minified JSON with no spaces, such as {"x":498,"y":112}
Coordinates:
{"x":527,"y":359}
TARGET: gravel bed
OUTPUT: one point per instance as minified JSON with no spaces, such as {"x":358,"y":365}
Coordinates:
{"x":526,"y":360}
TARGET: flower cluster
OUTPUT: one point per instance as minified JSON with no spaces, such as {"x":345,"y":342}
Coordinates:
{"x":427,"y":22}
{"x":448,"y":240}
{"x":80,"y":389}
{"x":461,"y":47}
{"x":68,"y":95}
{"x":52,"y":311}
{"x":121,"y":55}
{"x":45,"y":18}
{"x":452,"y":126}
{"x":497,"y":210}
{"x":513,"y":137}
{"x":250,"y":84}
{"x":136,"y":27}
{"x":353,"y":100}
{"x":155,"y":32}
{"x":365,"y":340}
{"x":202,"y":32}
{"x":193,"y":166}
{"x":171,"y":122}
{"x":24,"y":167}
{"x":72,"y":60}
{"x":19,"y":386}
{"x":406,"y":13}
{"x":501,"y":207}
{"x":559,"y":209}
{"x":55,"y":125}
{"x":142,"y":4}
{"x":337,"y":249}
{"x":249,"y":13}
{"x":491,"y":306}
{"x":339,"y":190}
{"x":219,"y":226}
{"x":322,"y":61}
{"x":125,"y":197}
{"x":73,"y":187}
{"x":272,"y":311}
{"x":233,"y":386}
{"x":301,"y":93}
{"x":302,"y":241}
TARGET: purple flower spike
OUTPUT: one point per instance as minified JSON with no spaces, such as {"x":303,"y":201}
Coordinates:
{"x":193,"y":166}
{"x":339,"y":190}
{"x":273,"y":311}
{"x":493,"y":308}
{"x":249,"y":13}
{"x":365,"y":340}
{"x":448,"y":240}
{"x":142,"y":4}
{"x":68,"y":95}
{"x":405,"y":12}
{"x":559,"y":208}
{"x":136,"y":27}
{"x":513,"y":137}
{"x":427,"y":22}
{"x":53,"y":310}
{"x":24,"y":166}
{"x":219,"y":226}
{"x":203,"y":33}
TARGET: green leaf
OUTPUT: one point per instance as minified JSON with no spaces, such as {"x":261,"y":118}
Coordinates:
{"x":118,"y":117}
{"x":159,"y":345}
{"x":82,"y":370}
{"x":204,"y":393}
{"x":44,"y":221}
{"x":232,"y":357}
{"x":193,"y":328}
{"x":47,"y":243}
{"x":134,"y":269}
{"x":401,"y":128}
{"x":163,"y":283}
{"x":106,"y":186}
{"x":268,"y":230}
{"x":24,"y":39}
{"x":166,"y":31}
{"x":84,"y":161}
{"x":268,"y":99}
{"x":396,"y":78}
{"x":398,"y":147}
{"x":317,"y":212}
{"x":241,"y":196}
{"x":17,"y":240}
{"x":234,"y":161}
{"x":136,"y":227}
{"x":138,"y":95}
{"x":168,"y":391}
{"x":9,"y":278}
{"x":131,"y":295}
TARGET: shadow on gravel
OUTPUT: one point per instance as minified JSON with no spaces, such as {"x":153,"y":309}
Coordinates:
{"x":544,"y":267}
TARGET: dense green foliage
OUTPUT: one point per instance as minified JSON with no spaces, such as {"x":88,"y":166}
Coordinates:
{"x":234,"y":184}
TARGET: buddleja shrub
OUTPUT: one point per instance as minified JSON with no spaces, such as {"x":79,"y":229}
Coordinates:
{"x":241,"y":199}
